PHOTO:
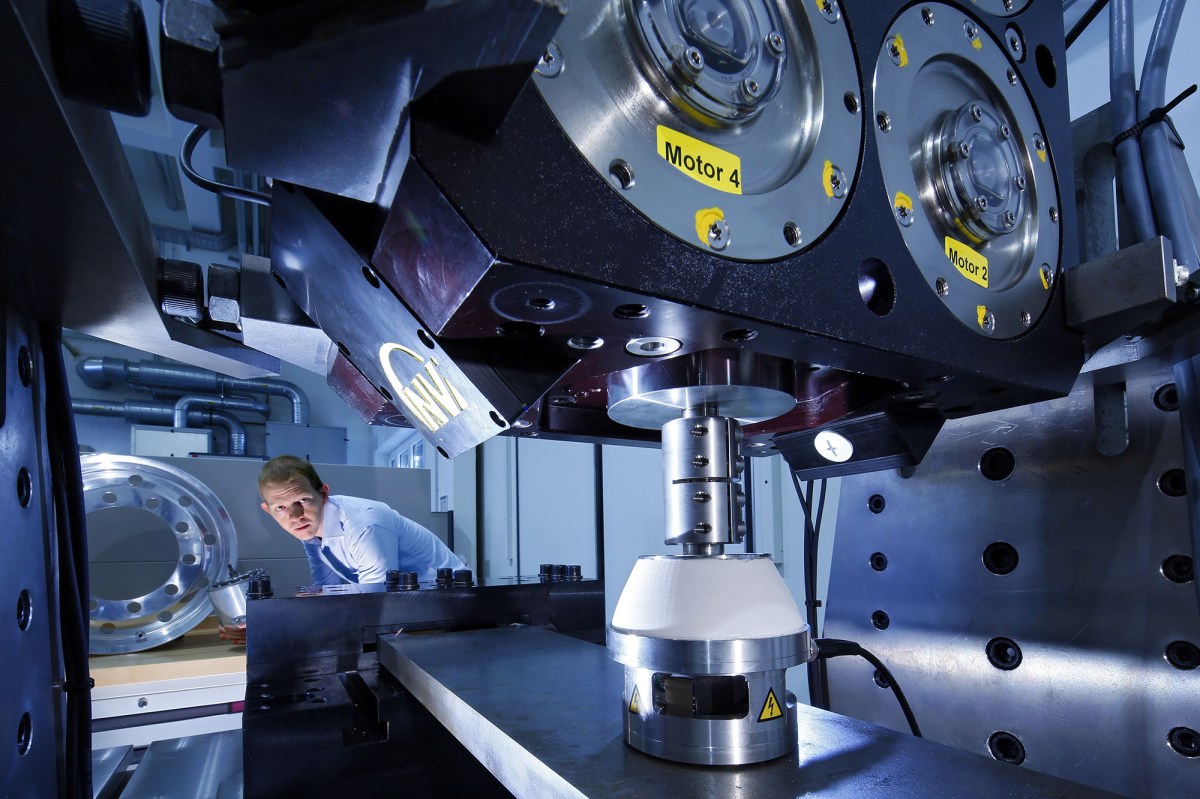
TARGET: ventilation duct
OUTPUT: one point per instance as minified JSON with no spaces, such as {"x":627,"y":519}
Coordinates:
{"x":164,"y":413}
{"x":104,"y":372}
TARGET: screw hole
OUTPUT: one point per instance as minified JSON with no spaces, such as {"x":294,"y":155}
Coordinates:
{"x":24,"y":610}
{"x":876,"y":286}
{"x":791,"y":234}
{"x":1006,"y":748}
{"x":880,"y":620}
{"x":1183,"y":655}
{"x":24,"y":487}
{"x":520,"y":330}
{"x":371,"y":277}
{"x":1001,"y":558}
{"x":631,"y":311}
{"x":25,"y":366}
{"x":621,"y":173}
{"x":1047,"y":69}
{"x":443,"y":453}
{"x":740,"y":335}
{"x":876,"y":503}
{"x":1179,"y":569}
{"x":851,"y":101}
{"x":24,"y":734}
{"x":1003,"y":653}
{"x":880,"y":680}
{"x":497,"y":419}
{"x":1173,"y":483}
{"x":1185,"y":741}
{"x":383,"y":392}
{"x":879,"y":561}
{"x":1166,"y":398}
{"x":425,"y":338}
{"x":997,"y":463}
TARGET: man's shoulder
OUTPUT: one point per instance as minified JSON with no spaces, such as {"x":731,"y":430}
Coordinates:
{"x":358,"y":511}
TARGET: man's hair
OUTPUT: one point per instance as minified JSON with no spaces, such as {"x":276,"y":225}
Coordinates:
{"x":286,"y":468}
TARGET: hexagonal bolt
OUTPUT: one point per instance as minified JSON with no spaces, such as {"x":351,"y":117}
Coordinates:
{"x":976,"y":113}
{"x":751,"y":90}
{"x":1009,"y":219}
{"x":829,"y":10}
{"x":884,"y":121}
{"x":718,"y":234}
{"x":1019,"y":182}
{"x":927,"y":15}
{"x":904,"y":215}
{"x":837,"y":182}
{"x":775,"y":43}
{"x":970,"y":29}
{"x":893,"y":48}
{"x":693,"y":60}
{"x":550,"y":65}
{"x":1003,"y":131}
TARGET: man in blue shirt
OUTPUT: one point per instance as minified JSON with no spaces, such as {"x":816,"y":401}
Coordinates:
{"x":347,"y":540}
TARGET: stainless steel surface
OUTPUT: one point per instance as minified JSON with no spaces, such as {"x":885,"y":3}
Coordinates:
{"x":1089,"y":603}
{"x":785,"y":119}
{"x":733,"y":656}
{"x":543,"y":713}
{"x":1117,"y":293}
{"x":741,"y":385}
{"x":702,"y":467}
{"x":201,"y":766}
{"x":228,"y":597}
{"x":105,"y":763}
{"x":207,"y":542}
{"x":936,"y":65}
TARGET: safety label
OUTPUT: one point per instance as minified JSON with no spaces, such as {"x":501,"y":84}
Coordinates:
{"x":970,"y":264}
{"x":771,"y":709}
{"x":635,"y":702}
{"x":700,"y":161}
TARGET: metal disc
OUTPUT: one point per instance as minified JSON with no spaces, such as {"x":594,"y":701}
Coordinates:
{"x":203,"y":531}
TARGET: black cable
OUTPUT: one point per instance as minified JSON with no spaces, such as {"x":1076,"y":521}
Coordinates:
{"x":836,"y":647}
{"x":818,"y":679}
{"x":72,"y":562}
{"x":1093,"y":11}
{"x":224,"y":189}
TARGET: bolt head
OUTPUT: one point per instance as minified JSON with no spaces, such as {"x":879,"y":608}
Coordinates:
{"x":1010,"y":219}
{"x":1004,"y":132}
{"x":693,"y":59}
{"x":1019,"y":182}
{"x":963,"y":149}
{"x":751,"y":88}
{"x":976,"y":113}
{"x":981,"y":203}
{"x":775,"y":43}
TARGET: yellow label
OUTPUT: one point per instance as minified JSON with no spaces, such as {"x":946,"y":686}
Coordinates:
{"x":901,"y":51}
{"x":981,"y":314}
{"x":977,"y":43}
{"x":705,"y":218}
{"x":1042,"y":154}
{"x":826,"y":175}
{"x":771,"y":709}
{"x":635,"y":702}
{"x":970,"y":264}
{"x":700,"y":161}
{"x":1045,"y":279}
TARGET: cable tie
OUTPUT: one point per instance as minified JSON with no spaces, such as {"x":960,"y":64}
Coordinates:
{"x":1154,"y":117}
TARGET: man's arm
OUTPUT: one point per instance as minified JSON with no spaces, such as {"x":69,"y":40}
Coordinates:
{"x":375,"y":553}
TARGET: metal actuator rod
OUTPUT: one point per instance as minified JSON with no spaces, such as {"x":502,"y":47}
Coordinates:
{"x":702,"y":466}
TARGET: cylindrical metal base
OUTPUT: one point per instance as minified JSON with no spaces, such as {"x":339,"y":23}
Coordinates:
{"x":665,"y":716}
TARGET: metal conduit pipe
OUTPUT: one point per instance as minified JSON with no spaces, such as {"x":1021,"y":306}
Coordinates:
{"x":103,"y":372}
{"x":136,"y":412}
{"x":184,"y":405}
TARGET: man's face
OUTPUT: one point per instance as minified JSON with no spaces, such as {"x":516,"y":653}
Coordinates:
{"x":297,"y":506}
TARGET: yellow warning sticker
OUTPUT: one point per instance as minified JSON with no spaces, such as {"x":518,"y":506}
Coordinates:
{"x":636,"y":702}
{"x":700,"y":161}
{"x":970,"y":264}
{"x":771,"y":709}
